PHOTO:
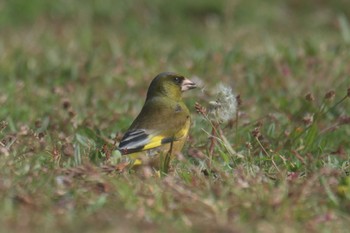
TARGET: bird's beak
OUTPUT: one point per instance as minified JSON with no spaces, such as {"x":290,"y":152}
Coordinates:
{"x":187,"y":85}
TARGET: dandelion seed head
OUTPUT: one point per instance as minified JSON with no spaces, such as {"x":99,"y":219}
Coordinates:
{"x":225,"y":106}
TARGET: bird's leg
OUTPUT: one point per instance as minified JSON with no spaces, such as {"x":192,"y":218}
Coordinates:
{"x":167,"y":157}
{"x":171,"y":147}
{"x":166,"y":161}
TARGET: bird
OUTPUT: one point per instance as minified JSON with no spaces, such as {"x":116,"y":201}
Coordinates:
{"x":163,"y":123}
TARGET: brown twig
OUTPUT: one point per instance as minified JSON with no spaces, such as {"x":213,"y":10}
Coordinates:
{"x":213,"y":137}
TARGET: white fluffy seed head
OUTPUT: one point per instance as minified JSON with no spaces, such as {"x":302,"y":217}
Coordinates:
{"x":225,"y":106}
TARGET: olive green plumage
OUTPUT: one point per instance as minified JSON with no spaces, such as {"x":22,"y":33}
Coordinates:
{"x":162,"y":125}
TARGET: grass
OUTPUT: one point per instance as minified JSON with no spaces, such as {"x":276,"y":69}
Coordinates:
{"x":74,"y":75}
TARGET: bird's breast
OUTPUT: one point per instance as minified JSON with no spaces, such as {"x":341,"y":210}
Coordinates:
{"x":178,"y":108}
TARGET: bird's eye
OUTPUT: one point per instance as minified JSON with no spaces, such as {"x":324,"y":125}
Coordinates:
{"x":177,"y":80}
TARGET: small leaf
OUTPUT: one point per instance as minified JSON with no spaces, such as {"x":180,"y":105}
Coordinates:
{"x":311,"y":136}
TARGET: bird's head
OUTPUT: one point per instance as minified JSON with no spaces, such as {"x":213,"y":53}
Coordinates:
{"x":170,"y":85}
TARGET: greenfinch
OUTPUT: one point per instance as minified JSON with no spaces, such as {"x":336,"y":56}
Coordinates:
{"x":162,"y":125}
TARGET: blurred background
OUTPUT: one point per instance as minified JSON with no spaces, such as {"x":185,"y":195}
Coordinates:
{"x":255,"y":46}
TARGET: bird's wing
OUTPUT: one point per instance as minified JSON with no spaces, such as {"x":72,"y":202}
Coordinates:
{"x":141,"y":139}
{"x":157,"y":124}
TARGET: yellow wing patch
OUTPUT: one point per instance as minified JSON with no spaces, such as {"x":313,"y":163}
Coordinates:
{"x":154,"y":142}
